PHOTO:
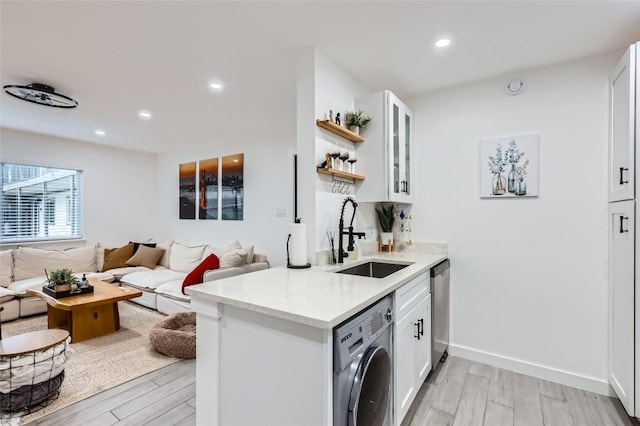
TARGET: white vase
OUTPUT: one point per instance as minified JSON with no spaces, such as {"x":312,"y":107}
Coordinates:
{"x":355,"y":129}
{"x":386,"y":238}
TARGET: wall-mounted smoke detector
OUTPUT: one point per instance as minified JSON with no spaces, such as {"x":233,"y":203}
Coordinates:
{"x":515,"y":87}
{"x":40,"y":94}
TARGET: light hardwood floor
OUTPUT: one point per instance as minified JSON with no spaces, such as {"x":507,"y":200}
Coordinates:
{"x":459,"y":392}
{"x":462,"y":392}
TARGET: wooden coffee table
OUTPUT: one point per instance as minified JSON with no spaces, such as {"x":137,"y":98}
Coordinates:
{"x":89,"y":315}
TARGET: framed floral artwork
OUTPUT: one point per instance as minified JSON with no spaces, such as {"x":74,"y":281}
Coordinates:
{"x":509,"y":167}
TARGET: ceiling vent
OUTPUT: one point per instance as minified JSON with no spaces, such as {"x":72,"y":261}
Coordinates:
{"x":40,"y":94}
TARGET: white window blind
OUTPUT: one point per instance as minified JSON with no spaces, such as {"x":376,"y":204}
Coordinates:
{"x":40,"y":203}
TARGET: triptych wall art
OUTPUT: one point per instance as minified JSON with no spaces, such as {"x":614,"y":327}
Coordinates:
{"x":509,"y":167}
{"x":212,"y":200}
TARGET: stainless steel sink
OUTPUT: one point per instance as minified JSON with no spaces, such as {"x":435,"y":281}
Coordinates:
{"x":373,"y":269}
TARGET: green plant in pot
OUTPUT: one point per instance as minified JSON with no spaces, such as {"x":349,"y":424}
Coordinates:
{"x":62,"y":280}
{"x":386,"y":218}
{"x":356,"y":120}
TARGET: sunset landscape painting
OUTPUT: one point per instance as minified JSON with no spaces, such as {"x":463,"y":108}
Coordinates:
{"x":187,"y":200}
{"x":233,"y":187}
{"x":208,"y":200}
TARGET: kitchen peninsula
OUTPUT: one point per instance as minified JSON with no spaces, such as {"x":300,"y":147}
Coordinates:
{"x":264,"y":339}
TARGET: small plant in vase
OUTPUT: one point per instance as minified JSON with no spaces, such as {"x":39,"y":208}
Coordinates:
{"x":62,"y":280}
{"x":386,"y":218}
{"x":356,"y":120}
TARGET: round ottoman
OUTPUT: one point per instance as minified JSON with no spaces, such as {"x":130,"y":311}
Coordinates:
{"x":175,"y":336}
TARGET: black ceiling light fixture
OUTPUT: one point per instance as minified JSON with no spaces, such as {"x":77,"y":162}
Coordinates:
{"x":40,"y":94}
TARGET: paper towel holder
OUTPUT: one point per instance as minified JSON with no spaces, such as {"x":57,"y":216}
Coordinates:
{"x":289,"y":265}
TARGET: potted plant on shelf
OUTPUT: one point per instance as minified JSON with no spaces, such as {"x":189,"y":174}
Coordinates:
{"x":62,"y":280}
{"x":355,"y":120}
{"x":387,"y":218}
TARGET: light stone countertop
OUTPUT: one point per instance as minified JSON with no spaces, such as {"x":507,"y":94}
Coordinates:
{"x":316,"y":296}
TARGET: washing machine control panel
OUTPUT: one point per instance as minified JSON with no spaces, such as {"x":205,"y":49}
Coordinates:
{"x":355,"y":334}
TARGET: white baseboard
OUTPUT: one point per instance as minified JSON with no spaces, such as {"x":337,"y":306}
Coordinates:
{"x":590,"y":384}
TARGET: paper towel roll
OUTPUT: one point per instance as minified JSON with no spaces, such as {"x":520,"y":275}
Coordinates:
{"x":298,"y":244}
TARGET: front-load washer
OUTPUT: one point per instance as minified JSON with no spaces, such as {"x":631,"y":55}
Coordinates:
{"x":362,"y":373}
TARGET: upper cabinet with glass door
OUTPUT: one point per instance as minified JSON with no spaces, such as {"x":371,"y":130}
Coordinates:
{"x":386,"y":157}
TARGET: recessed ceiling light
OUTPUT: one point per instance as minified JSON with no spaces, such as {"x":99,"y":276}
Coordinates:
{"x":144,"y":114}
{"x":215,"y":86}
{"x":443,"y":42}
{"x":100,"y":132}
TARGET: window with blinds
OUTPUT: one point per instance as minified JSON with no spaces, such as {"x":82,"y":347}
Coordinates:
{"x":40,"y":203}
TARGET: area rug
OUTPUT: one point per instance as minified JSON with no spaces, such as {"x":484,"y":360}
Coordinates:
{"x":104,"y":362}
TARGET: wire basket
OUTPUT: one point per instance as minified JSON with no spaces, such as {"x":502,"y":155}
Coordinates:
{"x":31,"y":381}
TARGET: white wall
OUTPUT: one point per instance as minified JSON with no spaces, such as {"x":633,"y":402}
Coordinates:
{"x":322,"y":86}
{"x":118,"y":184}
{"x":268,"y":180}
{"x":529,"y":276}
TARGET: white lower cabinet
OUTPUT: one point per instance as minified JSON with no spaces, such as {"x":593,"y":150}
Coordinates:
{"x":412,"y":343}
{"x":622,"y":309}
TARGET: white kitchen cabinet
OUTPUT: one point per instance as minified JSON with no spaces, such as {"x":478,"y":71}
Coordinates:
{"x":621,"y":301}
{"x":385,"y":158}
{"x":624,"y":269}
{"x":622,"y":94}
{"x":412,"y":343}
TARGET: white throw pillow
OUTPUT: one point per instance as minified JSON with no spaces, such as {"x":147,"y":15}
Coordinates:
{"x":164,"y":260}
{"x":233,"y":246}
{"x":185,"y":258}
{"x":236,"y":257}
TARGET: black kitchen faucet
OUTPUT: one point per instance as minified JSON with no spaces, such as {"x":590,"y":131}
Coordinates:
{"x":349,"y":230}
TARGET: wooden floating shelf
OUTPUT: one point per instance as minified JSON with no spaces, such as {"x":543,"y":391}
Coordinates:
{"x":339,"y":130}
{"x":339,"y":173}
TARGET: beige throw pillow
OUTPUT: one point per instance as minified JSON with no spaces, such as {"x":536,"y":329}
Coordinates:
{"x":146,"y":256}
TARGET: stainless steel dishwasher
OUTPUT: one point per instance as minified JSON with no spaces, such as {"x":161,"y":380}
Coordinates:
{"x":440,"y":312}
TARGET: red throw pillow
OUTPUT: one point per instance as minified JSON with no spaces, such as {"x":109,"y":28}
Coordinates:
{"x":196,"y":276}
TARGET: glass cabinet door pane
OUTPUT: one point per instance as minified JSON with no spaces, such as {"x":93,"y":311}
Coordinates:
{"x":407,"y":152}
{"x":396,"y":149}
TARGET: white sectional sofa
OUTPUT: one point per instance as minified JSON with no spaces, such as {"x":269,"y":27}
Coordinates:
{"x":162,"y":288}
{"x":24,"y":268}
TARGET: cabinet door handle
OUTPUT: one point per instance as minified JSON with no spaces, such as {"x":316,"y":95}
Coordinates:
{"x":622,"y":170}
{"x":417,"y":336}
{"x":421,"y":328}
{"x":622,"y":219}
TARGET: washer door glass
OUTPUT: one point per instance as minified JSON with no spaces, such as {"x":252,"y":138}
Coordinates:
{"x":369,"y":398}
